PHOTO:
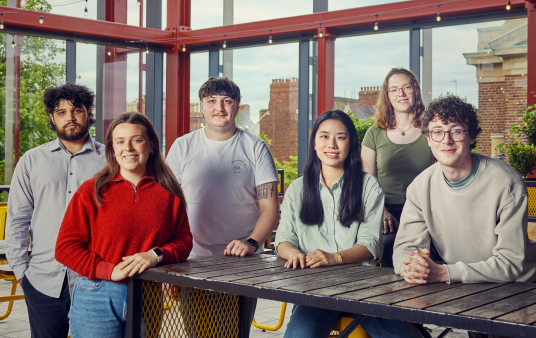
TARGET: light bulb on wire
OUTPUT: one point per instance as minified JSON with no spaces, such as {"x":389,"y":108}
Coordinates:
{"x":320,"y":34}
{"x":438,"y":18}
{"x":109,"y":51}
{"x":63,"y":50}
{"x":138,"y":3}
{"x":85,"y":10}
{"x":224,"y":41}
{"x":508,"y":6}
{"x":41,"y":19}
{"x":184,"y":48}
{"x":13,"y":41}
{"x":270,"y":38}
{"x":376,"y":24}
{"x":146,"y":48}
{"x":1,"y":21}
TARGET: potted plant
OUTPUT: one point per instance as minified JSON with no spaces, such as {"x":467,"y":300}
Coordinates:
{"x":520,"y":148}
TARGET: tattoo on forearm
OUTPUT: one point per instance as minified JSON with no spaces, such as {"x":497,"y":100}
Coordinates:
{"x":263,"y":190}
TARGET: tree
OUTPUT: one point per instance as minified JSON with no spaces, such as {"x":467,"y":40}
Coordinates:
{"x":40,"y":69}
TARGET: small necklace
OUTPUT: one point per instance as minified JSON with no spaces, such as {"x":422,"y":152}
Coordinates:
{"x":403,"y":132}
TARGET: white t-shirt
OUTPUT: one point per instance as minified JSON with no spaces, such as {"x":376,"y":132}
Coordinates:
{"x":219,"y":179}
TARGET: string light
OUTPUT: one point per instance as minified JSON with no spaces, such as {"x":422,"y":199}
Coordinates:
{"x":270,"y":38}
{"x":508,"y":6}
{"x":63,"y":51}
{"x":138,"y":3}
{"x":224,"y":41}
{"x":41,"y":20}
{"x":109,"y":51}
{"x":146,"y":48}
{"x":320,"y":33}
{"x":376,"y":24}
{"x":1,"y":21}
{"x":85,"y":10}
{"x":438,"y":18}
{"x":183,"y":45}
{"x":13,"y":41}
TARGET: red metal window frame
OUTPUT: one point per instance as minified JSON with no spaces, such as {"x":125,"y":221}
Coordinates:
{"x":179,"y":32}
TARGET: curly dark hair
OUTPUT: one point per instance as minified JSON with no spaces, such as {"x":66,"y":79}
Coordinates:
{"x":76,"y":94}
{"x":452,"y":109}
{"x":219,"y":86}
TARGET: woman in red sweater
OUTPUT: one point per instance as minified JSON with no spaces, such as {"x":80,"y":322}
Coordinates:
{"x":131,"y":216}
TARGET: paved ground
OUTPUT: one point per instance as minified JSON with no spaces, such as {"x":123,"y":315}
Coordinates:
{"x":17,"y":326}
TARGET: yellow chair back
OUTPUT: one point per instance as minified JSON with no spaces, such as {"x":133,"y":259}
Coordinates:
{"x":3,"y":216}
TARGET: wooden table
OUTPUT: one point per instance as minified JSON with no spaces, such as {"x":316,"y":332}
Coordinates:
{"x":500,"y":308}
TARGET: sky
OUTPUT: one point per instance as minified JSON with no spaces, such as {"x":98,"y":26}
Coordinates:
{"x":360,"y":61}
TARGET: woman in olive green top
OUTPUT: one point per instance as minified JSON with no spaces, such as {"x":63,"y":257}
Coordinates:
{"x":394,"y":150}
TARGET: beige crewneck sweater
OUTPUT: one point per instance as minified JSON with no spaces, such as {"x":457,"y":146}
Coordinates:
{"x":480,"y":229}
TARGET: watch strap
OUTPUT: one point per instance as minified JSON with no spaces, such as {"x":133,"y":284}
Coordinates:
{"x":253,"y":243}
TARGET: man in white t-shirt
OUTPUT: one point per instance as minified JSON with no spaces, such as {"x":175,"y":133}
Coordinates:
{"x":228,"y":177}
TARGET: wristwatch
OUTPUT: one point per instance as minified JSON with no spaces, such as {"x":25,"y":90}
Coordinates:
{"x":159,"y":254}
{"x":253,"y":243}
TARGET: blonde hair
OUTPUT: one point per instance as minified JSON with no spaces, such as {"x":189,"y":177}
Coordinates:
{"x":385,"y":115}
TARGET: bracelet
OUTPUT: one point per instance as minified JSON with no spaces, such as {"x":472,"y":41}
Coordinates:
{"x":340,"y":256}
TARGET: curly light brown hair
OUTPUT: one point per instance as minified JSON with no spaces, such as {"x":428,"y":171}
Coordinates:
{"x":385,"y":114}
{"x":452,"y":109}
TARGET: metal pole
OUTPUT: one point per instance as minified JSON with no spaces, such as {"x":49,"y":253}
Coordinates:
{"x":154,"y":74}
{"x":426,"y":82}
{"x":415,"y":52}
{"x":214,"y":62}
{"x":70,"y":61}
{"x":303,"y":104}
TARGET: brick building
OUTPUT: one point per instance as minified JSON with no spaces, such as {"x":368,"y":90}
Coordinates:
{"x":501,"y":68}
{"x":280,"y":121}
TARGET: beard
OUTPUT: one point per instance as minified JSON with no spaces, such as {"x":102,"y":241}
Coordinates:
{"x":72,"y":135}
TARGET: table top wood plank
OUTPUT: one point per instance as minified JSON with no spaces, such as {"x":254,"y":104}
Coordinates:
{"x":447,"y":295}
{"x":376,"y":290}
{"x":237,"y":277}
{"x":504,"y":306}
{"x":525,"y":316}
{"x":402,"y":295}
{"x":292,"y":273}
{"x":356,"y":285}
{"x":194,"y":263}
{"x":184,"y":269}
{"x":334,"y":280}
{"x":319,"y":276}
{"x":482,"y":298}
{"x":235,"y":270}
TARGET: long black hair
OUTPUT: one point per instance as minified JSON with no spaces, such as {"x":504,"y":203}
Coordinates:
{"x":351,"y":201}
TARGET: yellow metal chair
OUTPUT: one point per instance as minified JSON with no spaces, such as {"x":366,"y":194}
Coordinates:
{"x":359,"y":332}
{"x":3,"y":215}
{"x":7,"y":274}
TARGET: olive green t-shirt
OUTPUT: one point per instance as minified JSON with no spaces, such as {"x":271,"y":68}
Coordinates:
{"x":397,"y":165}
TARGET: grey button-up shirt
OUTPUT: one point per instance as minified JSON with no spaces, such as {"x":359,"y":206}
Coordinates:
{"x":43,"y":183}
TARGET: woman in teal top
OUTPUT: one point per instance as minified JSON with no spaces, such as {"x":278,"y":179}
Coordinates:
{"x":332,"y":215}
{"x":394,"y":150}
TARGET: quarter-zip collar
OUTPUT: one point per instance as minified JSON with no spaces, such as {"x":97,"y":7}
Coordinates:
{"x":147,"y":176}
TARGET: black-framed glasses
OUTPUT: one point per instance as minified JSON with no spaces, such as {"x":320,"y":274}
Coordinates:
{"x":455,"y":134}
{"x":394,"y":91}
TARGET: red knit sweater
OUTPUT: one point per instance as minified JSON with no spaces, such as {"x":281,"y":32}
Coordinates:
{"x":92,"y":239}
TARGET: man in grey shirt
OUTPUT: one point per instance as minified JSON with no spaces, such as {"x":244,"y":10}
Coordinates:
{"x":43,"y":183}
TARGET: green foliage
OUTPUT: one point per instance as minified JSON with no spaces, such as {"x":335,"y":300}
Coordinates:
{"x":266,"y":139}
{"x":522,"y":156}
{"x":528,"y":128}
{"x":39,"y":70}
{"x":521,"y":147}
{"x":361,"y":126}
{"x":290,"y":167}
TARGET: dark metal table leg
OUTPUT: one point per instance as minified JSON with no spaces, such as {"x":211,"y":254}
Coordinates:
{"x":351,"y":327}
{"x":244,"y":322}
{"x":134,"y":308}
{"x":444,"y":333}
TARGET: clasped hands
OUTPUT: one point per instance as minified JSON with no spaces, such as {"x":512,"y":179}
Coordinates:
{"x":312,"y":260}
{"x":134,"y":264}
{"x":419,"y":268}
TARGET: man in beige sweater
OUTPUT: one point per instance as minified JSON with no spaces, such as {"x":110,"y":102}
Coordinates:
{"x":467,"y":212}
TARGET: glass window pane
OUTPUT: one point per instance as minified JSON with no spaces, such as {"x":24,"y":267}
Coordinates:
{"x":207,"y":13}
{"x":29,"y":65}
{"x":487,"y":67}
{"x":250,"y":11}
{"x":198,"y":76}
{"x":336,"y":5}
{"x":361,"y":66}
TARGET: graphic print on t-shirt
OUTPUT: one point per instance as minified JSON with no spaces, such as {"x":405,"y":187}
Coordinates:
{"x":237,"y":166}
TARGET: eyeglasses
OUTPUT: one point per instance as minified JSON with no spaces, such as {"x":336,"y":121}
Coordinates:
{"x":455,"y":134}
{"x":394,"y":91}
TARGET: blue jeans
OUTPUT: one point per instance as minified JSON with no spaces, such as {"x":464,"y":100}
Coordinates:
{"x":98,"y":309}
{"x":307,"y":321}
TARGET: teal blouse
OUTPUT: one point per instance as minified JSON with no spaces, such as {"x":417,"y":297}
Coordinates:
{"x":331,"y":236}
